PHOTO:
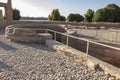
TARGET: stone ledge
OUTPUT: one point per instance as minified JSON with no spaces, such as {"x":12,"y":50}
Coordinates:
{"x":40,"y":38}
{"x":25,"y":35}
{"x":91,"y":62}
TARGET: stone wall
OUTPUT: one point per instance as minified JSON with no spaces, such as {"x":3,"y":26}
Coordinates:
{"x":25,"y":35}
{"x":8,"y":10}
{"x":73,"y":24}
{"x":1,"y":16}
{"x":106,"y":54}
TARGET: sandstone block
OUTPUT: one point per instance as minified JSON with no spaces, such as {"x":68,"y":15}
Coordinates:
{"x":1,"y":16}
{"x":27,"y":32}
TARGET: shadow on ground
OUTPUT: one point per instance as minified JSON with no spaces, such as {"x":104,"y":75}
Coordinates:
{"x":35,"y":45}
{"x":4,"y":65}
{"x":6,"y":46}
{"x":2,"y":31}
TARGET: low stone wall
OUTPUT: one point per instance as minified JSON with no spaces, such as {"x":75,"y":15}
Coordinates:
{"x":54,"y":27}
{"x":106,"y":54}
{"x":33,"y":33}
{"x":25,"y":35}
{"x":1,"y":16}
{"x":73,"y":24}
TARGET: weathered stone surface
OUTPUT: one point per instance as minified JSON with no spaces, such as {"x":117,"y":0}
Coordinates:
{"x":26,"y":32}
{"x":8,"y":10}
{"x":26,"y":35}
{"x":30,"y":32}
{"x":16,"y":31}
{"x":1,"y":15}
{"x":72,"y":32}
{"x":44,"y":35}
{"x":55,"y":27}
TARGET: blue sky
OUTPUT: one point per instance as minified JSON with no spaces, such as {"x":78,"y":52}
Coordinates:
{"x":43,"y":8}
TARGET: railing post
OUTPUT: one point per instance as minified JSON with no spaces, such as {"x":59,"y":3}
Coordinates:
{"x":80,"y":31}
{"x":62,"y":39}
{"x":46,"y":31}
{"x":87,"y":49}
{"x":101,"y":35}
{"x":116,"y":36}
{"x":55,"y":35}
{"x":96,"y":35}
{"x":67,"y":41}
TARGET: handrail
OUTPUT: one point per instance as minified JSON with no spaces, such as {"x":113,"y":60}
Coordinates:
{"x":87,"y":45}
{"x":88,"y":41}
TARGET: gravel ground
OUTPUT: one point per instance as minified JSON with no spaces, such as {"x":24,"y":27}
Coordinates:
{"x":30,"y":61}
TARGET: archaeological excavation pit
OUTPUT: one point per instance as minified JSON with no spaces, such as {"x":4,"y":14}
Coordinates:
{"x":104,"y":52}
{"x":33,"y":33}
{"x":29,"y":33}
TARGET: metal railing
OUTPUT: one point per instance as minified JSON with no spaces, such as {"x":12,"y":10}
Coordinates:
{"x":77,"y":43}
{"x":88,"y":42}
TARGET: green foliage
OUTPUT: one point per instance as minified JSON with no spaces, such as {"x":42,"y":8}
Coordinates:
{"x":99,"y":16}
{"x":89,"y":15}
{"x":49,"y":18}
{"x":112,"y":6}
{"x":62,"y":18}
{"x":55,"y":16}
{"x":111,"y":13}
{"x":16,"y":14}
{"x":75,"y":17}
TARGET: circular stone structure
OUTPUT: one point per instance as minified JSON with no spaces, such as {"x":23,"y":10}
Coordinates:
{"x":35,"y":32}
{"x":55,"y":27}
{"x":31,"y":32}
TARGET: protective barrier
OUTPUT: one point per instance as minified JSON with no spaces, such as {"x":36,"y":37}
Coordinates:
{"x":104,"y":52}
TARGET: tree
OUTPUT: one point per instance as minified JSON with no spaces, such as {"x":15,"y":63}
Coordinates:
{"x":99,"y":16}
{"x":54,"y":16}
{"x":110,"y":13}
{"x":89,"y":15}
{"x":71,"y":17}
{"x":49,"y":18}
{"x":62,"y":18}
{"x":75,"y":17}
{"x":16,"y":14}
{"x":114,"y":11}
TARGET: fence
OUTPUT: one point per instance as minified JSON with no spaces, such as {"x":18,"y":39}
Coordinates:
{"x":104,"y":52}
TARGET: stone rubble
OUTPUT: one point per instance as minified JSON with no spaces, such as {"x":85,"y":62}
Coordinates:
{"x":32,"y":61}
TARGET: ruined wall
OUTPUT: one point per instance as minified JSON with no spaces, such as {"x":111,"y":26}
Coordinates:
{"x":103,"y":53}
{"x":8,"y":10}
{"x":97,"y":25}
{"x":106,"y":54}
{"x":1,"y":16}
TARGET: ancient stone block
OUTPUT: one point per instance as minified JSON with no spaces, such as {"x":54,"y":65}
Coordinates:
{"x":16,"y":31}
{"x":8,"y":10}
{"x":1,"y":15}
{"x":28,"y":32}
{"x":26,"y":35}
